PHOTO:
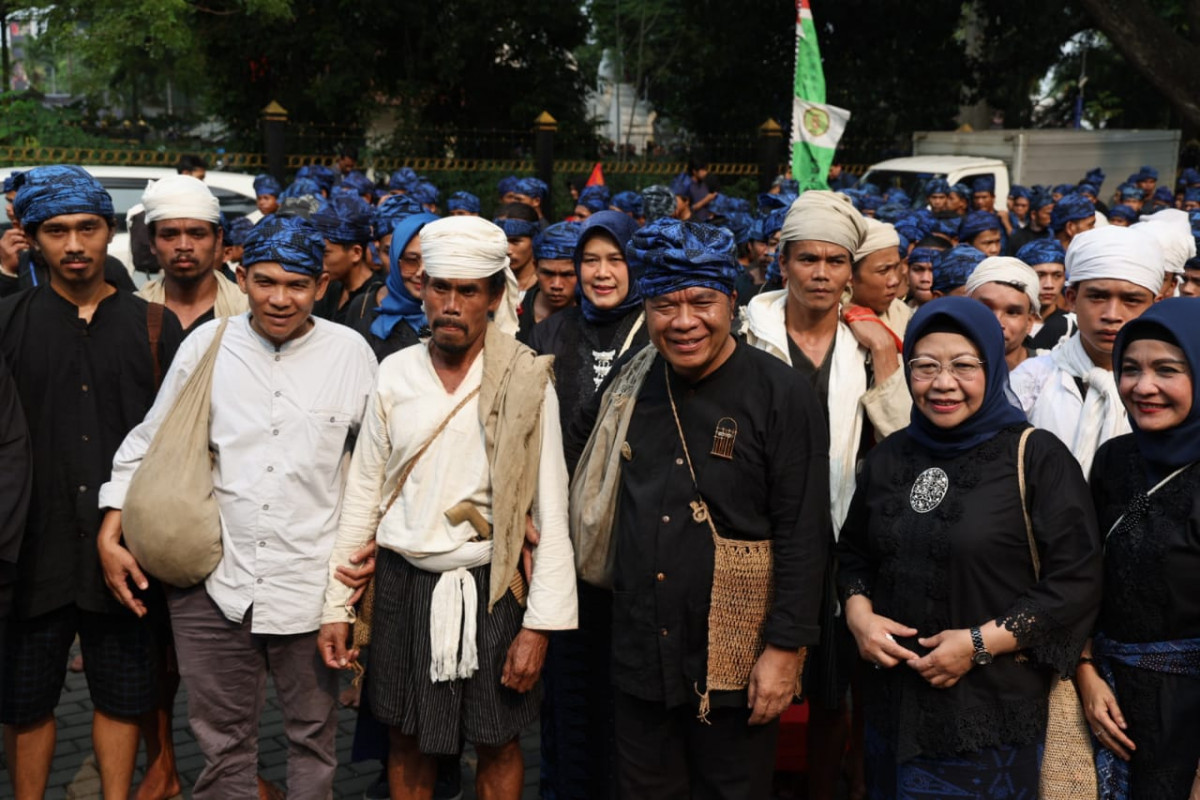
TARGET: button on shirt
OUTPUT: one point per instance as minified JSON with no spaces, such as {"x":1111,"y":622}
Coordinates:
{"x":281,"y":424}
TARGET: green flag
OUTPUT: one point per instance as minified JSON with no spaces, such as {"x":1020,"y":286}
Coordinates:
{"x":816,"y":126}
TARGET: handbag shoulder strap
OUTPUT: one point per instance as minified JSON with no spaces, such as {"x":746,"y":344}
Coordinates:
{"x":412,"y":462}
{"x":1033,"y":551}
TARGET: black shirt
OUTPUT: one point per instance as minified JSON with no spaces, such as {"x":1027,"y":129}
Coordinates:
{"x":966,"y":561}
{"x":526,"y":315}
{"x":1024,"y":236}
{"x":15,"y":484}
{"x":361,"y":315}
{"x":775,"y":488}
{"x":818,"y":376}
{"x":1151,"y":595}
{"x":83,"y":387}
{"x":585,"y":352}
{"x":327,"y":306}
{"x":1054,"y":327}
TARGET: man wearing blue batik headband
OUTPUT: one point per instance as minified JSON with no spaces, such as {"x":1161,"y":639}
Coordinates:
{"x":532,"y":192}
{"x":267,"y":191}
{"x":702,"y":472}
{"x":983,"y":194}
{"x":592,"y":200}
{"x":520,"y":224}
{"x":463,"y":204}
{"x":936,"y":192}
{"x":86,"y":359}
{"x":347,"y":226}
{"x":301,"y":386}
{"x":19,"y":267}
{"x":553,"y":251}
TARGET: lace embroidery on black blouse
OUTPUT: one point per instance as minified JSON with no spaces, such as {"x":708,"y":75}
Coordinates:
{"x":856,"y":586}
{"x":1136,"y":594}
{"x":1043,"y":639}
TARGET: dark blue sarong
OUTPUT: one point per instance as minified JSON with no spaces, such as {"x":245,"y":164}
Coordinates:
{"x":1178,"y":657}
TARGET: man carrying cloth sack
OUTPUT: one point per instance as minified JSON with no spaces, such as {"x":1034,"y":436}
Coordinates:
{"x":716,"y":531}
{"x":460,"y":442}
{"x":295,"y":390}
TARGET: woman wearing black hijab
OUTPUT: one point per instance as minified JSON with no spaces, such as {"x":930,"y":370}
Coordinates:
{"x":940,"y":588}
{"x":1140,"y":680}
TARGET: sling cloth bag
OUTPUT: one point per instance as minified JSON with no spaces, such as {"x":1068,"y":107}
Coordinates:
{"x":366,"y":608}
{"x":597,"y":482}
{"x":1068,"y":771}
{"x":171,"y":520}
{"x":743,"y":588}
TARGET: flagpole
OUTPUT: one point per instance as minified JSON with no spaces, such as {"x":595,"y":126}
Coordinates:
{"x":816,"y":125}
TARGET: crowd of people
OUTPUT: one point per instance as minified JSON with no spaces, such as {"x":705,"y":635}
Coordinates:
{"x":645,"y":476}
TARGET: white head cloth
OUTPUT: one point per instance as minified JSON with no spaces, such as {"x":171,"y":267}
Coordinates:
{"x":180,"y":197}
{"x":880,"y":236}
{"x":1011,"y":272}
{"x":1171,"y":228}
{"x":825,"y":217}
{"x":1116,"y":253}
{"x":471,"y":248}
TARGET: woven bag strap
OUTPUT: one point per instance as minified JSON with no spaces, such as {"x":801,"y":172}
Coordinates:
{"x":1033,"y":551}
{"x":412,"y":462}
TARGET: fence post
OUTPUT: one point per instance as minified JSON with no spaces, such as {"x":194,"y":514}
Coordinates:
{"x":544,"y":128}
{"x":770,"y":152}
{"x":274,"y":123}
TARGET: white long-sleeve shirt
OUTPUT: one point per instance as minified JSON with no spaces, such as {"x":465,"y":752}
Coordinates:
{"x":280,"y":427}
{"x":408,"y":404}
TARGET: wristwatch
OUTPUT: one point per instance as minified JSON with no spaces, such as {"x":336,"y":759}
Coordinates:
{"x":982,"y":657}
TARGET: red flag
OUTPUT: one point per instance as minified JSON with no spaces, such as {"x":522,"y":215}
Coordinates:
{"x":597,"y":176}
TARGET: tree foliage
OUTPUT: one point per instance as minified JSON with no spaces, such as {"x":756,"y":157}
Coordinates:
{"x":468,"y":63}
{"x":1161,"y":40}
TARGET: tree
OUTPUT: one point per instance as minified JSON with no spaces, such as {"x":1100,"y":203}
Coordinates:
{"x":464,"y":63}
{"x":1161,"y":40}
{"x":134,"y":46}
{"x":1022,"y":41}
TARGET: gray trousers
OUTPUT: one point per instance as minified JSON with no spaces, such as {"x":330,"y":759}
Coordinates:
{"x":225,"y":669}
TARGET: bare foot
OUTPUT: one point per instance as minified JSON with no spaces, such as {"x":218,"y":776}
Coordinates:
{"x":269,"y":791}
{"x":158,"y":787}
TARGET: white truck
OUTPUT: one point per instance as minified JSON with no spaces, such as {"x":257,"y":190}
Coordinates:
{"x":1028,"y":157}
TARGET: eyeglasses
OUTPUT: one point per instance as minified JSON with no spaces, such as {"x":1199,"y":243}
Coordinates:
{"x":963,"y":368}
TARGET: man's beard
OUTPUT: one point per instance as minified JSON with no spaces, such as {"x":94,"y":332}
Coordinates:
{"x":194,"y":275}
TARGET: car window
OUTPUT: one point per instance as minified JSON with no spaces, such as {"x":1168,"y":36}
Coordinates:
{"x":127,"y":193}
{"x":234,"y":205}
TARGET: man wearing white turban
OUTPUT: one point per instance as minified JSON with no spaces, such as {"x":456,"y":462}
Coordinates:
{"x":462,"y":443}
{"x":877,"y":275}
{"x":1114,"y":274}
{"x":1173,"y":232}
{"x":1009,"y":287}
{"x":183,"y":218}
{"x":854,"y":364}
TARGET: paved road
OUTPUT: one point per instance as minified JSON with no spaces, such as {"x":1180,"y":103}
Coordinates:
{"x":74,"y":775}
